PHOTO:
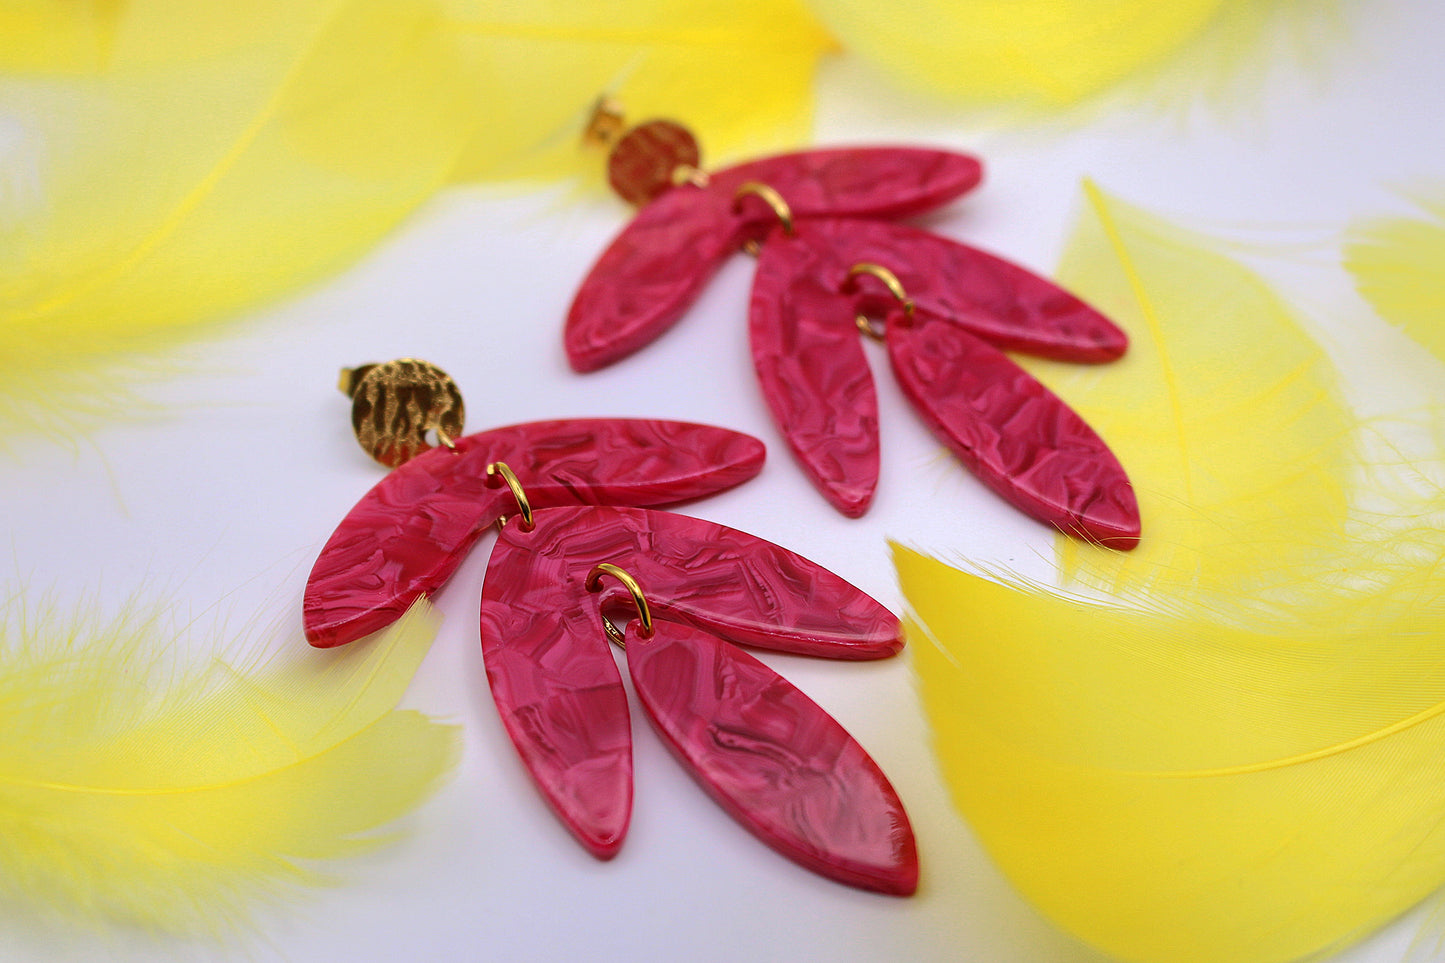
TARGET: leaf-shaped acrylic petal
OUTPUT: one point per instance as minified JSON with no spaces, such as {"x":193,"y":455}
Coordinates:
{"x":1012,"y":432}
{"x":861,"y":182}
{"x":656,"y":267}
{"x":649,"y":275}
{"x":814,"y":375}
{"x":557,"y":688}
{"x":1006,"y":305}
{"x":736,"y":585}
{"x":773,"y":758}
{"x":407,"y":535}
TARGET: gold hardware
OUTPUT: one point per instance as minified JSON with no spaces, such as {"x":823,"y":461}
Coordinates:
{"x":895,"y":288}
{"x":644,"y":613}
{"x":605,"y":123}
{"x":395,"y":405}
{"x":524,"y":507}
{"x":687,"y":174}
{"x":770,"y":197}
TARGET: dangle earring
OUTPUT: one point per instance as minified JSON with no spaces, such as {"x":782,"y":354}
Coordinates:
{"x":766,"y":753}
{"x":820,"y":224}
{"x":815,"y":796}
{"x":407,"y":535}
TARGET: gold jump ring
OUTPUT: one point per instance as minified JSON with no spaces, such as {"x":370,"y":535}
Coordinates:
{"x":769,"y":197}
{"x":523,"y":506}
{"x":644,"y":613}
{"x":894,"y":286}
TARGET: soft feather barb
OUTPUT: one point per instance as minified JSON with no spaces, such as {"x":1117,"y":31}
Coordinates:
{"x":1227,"y":413}
{"x":1241,"y":761}
{"x":1055,"y":55}
{"x":1181,"y":791}
{"x":1397,"y":264}
{"x":158,"y":173}
{"x":131,"y":791}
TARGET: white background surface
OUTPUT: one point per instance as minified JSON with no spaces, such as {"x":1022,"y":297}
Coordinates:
{"x":220,"y":500}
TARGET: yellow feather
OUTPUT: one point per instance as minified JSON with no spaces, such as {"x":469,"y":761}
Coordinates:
{"x":220,"y":158}
{"x":1212,"y":349}
{"x":1003,"y":50}
{"x":130,"y":792}
{"x":1177,"y":790}
{"x":1052,"y":54}
{"x":159,"y":171}
{"x":1242,"y":762}
{"x":1397,"y":264}
{"x":739,"y":73}
{"x":46,"y":36}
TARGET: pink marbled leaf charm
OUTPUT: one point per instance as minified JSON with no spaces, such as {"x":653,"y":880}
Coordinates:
{"x":812,"y":369}
{"x":735,"y":585}
{"x":551,"y":672}
{"x":1006,"y":305}
{"x":649,"y":275}
{"x":656,"y":267}
{"x":410,"y":531}
{"x":1012,"y":432}
{"x":856,"y":182}
{"x":779,"y":764}
{"x":557,"y":688}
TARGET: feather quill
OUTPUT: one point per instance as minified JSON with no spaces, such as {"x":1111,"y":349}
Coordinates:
{"x":133,"y":792}
{"x":1397,"y":263}
{"x":1241,"y":761}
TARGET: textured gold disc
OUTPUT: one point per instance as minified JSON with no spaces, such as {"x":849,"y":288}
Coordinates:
{"x":396,"y":405}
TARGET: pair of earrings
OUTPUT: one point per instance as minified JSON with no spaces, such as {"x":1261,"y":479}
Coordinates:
{"x":580,"y":550}
{"x":831,"y":264}
{"x":577,"y":550}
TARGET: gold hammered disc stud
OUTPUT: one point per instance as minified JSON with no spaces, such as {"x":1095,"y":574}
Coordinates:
{"x":397,"y":405}
{"x":524,"y":507}
{"x":644,"y":613}
{"x":895,"y":288}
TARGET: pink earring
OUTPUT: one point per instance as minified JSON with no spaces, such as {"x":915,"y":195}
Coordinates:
{"x":774,"y":760}
{"x":819,"y":222}
{"x":818,"y":799}
{"x":408,"y":534}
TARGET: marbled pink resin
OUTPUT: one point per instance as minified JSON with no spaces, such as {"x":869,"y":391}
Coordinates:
{"x":557,"y":688}
{"x":410,"y":531}
{"x":815,"y":378}
{"x":773,"y":759}
{"x":1020,"y":439}
{"x":1012,"y":432}
{"x":656,"y":267}
{"x":735,"y":585}
{"x":1006,"y":305}
{"x":549,"y":665}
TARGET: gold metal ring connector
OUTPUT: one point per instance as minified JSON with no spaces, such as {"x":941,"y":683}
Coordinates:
{"x":644,"y":613}
{"x":895,"y":288}
{"x":523,"y":506}
{"x":770,"y":197}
